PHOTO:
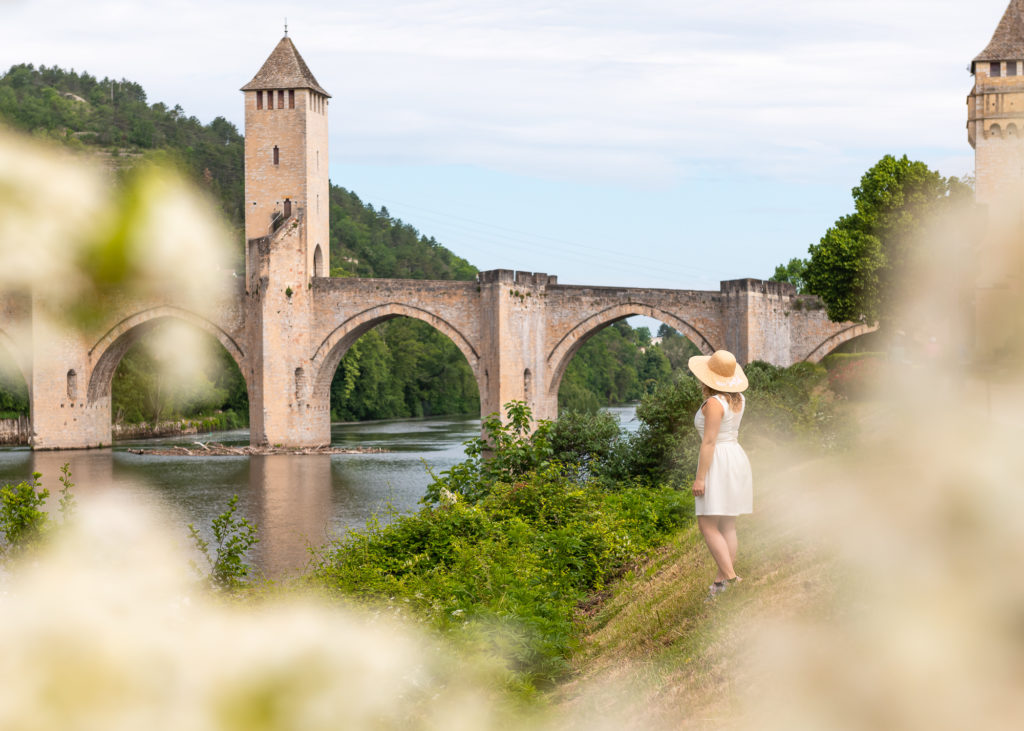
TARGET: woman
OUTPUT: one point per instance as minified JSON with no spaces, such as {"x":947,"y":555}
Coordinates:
{"x":723,"y":487}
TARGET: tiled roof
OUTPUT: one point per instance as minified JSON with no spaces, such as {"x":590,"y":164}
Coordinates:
{"x":285,"y":69}
{"x":1007,"y":42}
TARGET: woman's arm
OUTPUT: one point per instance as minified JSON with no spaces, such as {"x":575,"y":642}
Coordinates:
{"x":713,"y":413}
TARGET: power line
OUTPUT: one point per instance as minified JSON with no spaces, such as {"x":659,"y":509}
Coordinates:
{"x":492,"y":230}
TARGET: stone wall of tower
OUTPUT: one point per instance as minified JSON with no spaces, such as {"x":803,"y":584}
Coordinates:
{"x":995,"y":126}
{"x":317,"y":218}
{"x":300,"y":174}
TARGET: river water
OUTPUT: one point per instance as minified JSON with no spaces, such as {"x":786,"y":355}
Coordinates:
{"x":297,"y":501}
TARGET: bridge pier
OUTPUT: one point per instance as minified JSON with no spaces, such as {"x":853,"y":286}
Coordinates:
{"x":284,"y":407}
{"x":63,"y":415}
{"x":513,"y":309}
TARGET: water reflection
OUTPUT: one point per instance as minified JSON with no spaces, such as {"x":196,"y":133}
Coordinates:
{"x":296,"y":501}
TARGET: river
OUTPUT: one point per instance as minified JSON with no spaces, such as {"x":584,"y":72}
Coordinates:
{"x":296,"y":501}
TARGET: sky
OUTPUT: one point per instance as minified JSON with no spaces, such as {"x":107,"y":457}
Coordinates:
{"x":642,"y":143}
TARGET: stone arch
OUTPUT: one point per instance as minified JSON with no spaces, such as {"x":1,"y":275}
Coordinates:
{"x":109,"y":349}
{"x":834,"y":341}
{"x":559,"y":357}
{"x":333,"y":348}
{"x":995,"y":131}
{"x":1011,"y":130}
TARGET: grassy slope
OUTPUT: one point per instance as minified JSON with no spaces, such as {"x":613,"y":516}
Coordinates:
{"x":657,"y":654}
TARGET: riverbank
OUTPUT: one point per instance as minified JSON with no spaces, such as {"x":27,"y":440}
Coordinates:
{"x":216,"y":449}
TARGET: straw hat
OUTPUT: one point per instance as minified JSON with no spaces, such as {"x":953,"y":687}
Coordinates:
{"x":720,"y":371}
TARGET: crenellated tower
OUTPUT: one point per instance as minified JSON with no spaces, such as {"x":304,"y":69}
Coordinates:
{"x":286,"y":225}
{"x":995,"y":129}
{"x":286,"y":153}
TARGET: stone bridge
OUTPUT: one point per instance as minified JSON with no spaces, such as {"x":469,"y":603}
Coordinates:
{"x":287,"y":326}
{"x":517,"y":330}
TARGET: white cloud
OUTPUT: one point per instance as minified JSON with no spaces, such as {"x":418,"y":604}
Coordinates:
{"x":628,"y":91}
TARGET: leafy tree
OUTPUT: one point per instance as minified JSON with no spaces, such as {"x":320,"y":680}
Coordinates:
{"x":677,"y":348}
{"x":858,"y":266}
{"x":793,"y":272}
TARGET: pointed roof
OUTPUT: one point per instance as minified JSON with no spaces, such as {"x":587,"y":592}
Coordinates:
{"x":284,"y":69}
{"x":1007,"y":42}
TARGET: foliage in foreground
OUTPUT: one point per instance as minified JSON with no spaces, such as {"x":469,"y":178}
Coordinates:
{"x":233,"y":536}
{"x":507,"y":549}
{"x":24,"y":521}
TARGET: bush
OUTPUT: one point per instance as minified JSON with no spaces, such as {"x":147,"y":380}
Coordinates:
{"x":507,"y":573}
{"x":234,"y":537}
{"x":508,"y":546}
{"x":507,"y":450}
{"x":665,"y":446}
{"x":22,"y":518}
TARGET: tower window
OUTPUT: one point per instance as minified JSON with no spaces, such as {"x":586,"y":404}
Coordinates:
{"x":994,"y":69}
{"x":1011,"y":68}
{"x":72,"y":385}
{"x":280,"y":98}
{"x":277,"y":156}
{"x":291,"y":98}
{"x":259,"y":100}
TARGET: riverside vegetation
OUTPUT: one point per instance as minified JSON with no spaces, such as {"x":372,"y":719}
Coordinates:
{"x":402,"y":368}
{"x":515,"y":546}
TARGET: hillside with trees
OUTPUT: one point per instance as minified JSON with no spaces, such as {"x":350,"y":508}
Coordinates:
{"x":402,"y":368}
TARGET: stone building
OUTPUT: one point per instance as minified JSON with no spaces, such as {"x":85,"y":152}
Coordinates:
{"x":995,"y":125}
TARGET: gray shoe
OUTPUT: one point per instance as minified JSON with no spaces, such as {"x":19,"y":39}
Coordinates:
{"x":717,"y":588}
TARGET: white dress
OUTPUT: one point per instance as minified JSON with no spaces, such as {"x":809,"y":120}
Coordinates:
{"x":729,"y":485}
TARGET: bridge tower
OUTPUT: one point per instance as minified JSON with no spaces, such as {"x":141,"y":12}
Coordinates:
{"x":286,"y":226}
{"x":995,"y":129}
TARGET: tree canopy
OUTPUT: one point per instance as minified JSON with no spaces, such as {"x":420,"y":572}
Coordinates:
{"x":860,"y":264}
{"x":793,"y":272}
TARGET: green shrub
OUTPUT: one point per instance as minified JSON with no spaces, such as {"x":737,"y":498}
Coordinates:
{"x":22,"y":518}
{"x":665,"y":446}
{"x":234,"y":537}
{"x":508,"y":546}
{"x":506,"y":450}
{"x":507,"y":573}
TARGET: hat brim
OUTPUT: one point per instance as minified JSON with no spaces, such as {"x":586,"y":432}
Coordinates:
{"x":735,"y":383}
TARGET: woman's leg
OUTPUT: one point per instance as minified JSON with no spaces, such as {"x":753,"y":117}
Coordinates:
{"x":709,"y":528}
{"x":727,"y":525}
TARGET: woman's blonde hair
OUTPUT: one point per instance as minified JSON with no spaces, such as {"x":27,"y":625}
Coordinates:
{"x":735,"y":399}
